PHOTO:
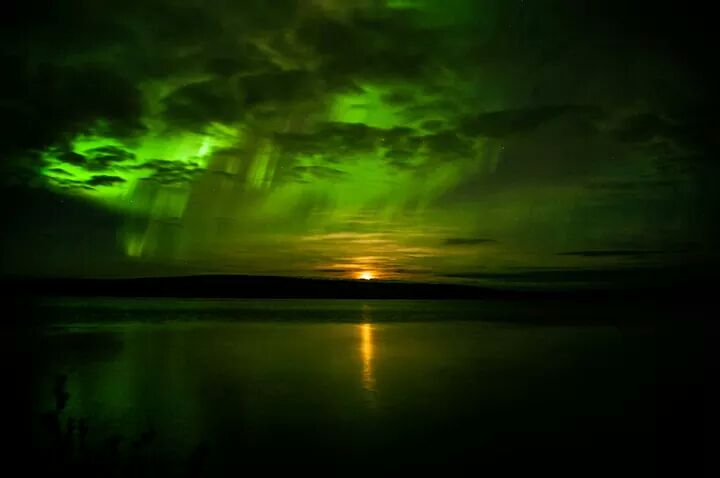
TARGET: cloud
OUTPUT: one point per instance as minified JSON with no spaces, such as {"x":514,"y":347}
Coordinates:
{"x":106,"y":157}
{"x":612,"y":253}
{"x":104,"y":180}
{"x":230,"y":100}
{"x":344,"y":140}
{"x":433,"y":125}
{"x":544,"y":122}
{"x":246,"y":59}
{"x":641,"y":276}
{"x":170,"y":172}
{"x":447,"y":144}
{"x":279,"y":87}
{"x":303,"y":173}
{"x":401,"y":158}
{"x":399,"y":97}
{"x":71,"y":157}
{"x":60,"y":171}
{"x":56,"y":101}
{"x":93,"y":160}
{"x":468,"y":241}
{"x":499,"y":124}
{"x":633,"y":186}
{"x":197,"y":104}
{"x":368,"y":46}
{"x":643,"y":128}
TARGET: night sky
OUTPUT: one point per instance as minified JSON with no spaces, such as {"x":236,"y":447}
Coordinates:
{"x":507,"y":142}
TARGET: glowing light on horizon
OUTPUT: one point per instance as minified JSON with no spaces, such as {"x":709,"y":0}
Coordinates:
{"x":366,"y":275}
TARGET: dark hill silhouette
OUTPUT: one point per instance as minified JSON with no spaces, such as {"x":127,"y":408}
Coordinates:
{"x":274,"y":287}
{"x":243,"y":286}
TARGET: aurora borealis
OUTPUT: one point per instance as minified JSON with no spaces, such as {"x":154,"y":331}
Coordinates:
{"x":501,"y":141}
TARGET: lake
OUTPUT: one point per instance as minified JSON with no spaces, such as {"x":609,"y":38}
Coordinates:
{"x":358,"y":387}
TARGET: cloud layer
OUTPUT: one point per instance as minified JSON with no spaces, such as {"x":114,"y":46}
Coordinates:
{"x":465,"y":134}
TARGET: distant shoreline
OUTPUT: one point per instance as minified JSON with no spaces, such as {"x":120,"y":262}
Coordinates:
{"x":273,"y":287}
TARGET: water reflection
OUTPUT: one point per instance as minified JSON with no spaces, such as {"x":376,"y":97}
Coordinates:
{"x":310,"y":390}
{"x":367,"y":353}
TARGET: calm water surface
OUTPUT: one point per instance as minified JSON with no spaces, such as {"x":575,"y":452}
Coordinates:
{"x":358,"y":385}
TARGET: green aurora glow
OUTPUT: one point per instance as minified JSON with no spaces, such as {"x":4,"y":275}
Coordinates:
{"x":421,"y":140}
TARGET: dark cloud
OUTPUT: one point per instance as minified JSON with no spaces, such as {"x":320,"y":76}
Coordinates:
{"x":499,"y":124}
{"x":77,"y":68}
{"x":170,"y":172}
{"x":612,"y":253}
{"x":370,"y":46}
{"x":303,"y":173}
{"x":643,"y":128}
{"x":95,"y":159}
{"x":279,"y":87}
{"x":116,"y":153}
{"x":230,"y":100}
{"x":334,"y":270}
{"x":433,"y":125}
{"x":106,"y":157}
{"x":71,"y":157}
{"x":641,"y":276}
{"x":447,"y":144}
{"x":605,"y":108}
{"x":398,"y":97}
{"x":631,"y":187}
{"x":60,"y":171}
{"x":341,"y":140}
{"x":104,"y":180}
{"x":52,"y":103}
{"x":247,"y":59}
{"x":68,"y":183}
{"x":676,"y":135}
{"x":402,"y":147}
{"x":468,"y":241}
{"x":194,"y":105}
{"x":401,"y":158}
